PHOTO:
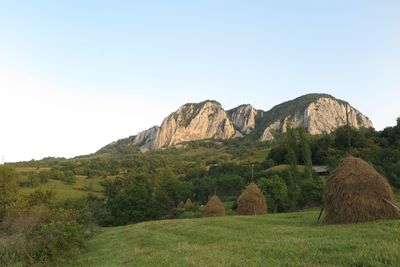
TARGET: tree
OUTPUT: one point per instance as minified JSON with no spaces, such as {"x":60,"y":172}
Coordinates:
{"x":136,"y":202}
{"x":8,"y":187}
{"x":203,"y":188}
{"x":176,"y":189}
{"x":275,"y":192}
{"x":306,"y":152}
{"x":229,"y":185}
{"x":311,"y":192}
{"x":132,"y":204}
{"x":293,"y":174}
{"x":291,"y":148}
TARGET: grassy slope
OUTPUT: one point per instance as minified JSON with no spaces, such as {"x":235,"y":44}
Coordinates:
{"x":82,"y":187}
{"x":291,"y":239}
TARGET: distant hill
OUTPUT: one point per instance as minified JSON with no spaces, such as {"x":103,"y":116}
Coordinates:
{"x":318,"y":113}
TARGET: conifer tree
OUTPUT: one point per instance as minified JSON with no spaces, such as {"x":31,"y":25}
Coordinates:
{"x":306,"y":152}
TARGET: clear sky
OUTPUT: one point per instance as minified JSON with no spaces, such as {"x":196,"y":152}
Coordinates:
{"x":76,"y":75}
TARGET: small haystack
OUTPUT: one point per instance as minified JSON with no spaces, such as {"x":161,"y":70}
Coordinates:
{"x":251,"y":201}
{"x":188,"y":204}
{"x":356,"y":192}
{"x":214,"y":207}
{"x":181,"y":205}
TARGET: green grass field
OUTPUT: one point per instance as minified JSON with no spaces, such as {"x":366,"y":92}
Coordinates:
{"x":290,"y":239}
{"x":82,"y":187}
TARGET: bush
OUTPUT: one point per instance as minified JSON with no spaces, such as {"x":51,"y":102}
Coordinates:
{"x":38,"y":231}
{"x":275,"y":192}
{"x":58,"y":239}
{"x":8,"y":188}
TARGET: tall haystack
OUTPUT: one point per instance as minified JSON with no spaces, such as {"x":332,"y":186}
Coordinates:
{"x":356,"y":192}
{"x":251,"y":201}
{"x":214,"y":207}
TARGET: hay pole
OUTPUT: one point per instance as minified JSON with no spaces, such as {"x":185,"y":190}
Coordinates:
{"x":392,"y":204}
{"x":252,"y":172}
{"x":320,"y":214}
{"x":348,"y":127}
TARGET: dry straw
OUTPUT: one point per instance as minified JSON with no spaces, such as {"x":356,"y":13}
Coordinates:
{"x":181,"y":205}
{"x":188,"y":204}
{"x":356,"y":192}
{"x":251,"y":201}
{"x":214,"y":207}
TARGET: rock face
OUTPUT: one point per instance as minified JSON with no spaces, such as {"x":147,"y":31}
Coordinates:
{"x":191,"y":122}
{"x":146,"y":138}
{"x":323,"y":115}
{"x":244,"y":118}
{"x":318,"y":113}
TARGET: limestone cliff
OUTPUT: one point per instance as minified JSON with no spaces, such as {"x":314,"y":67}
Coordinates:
{"x":244,"y":118}
{"x":324,"y":114}
{"x":146,"y":138}
{"x":191,"y":122}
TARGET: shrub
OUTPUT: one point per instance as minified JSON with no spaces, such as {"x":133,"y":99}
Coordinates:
{"x":8,"y":188}
{"x":37,"y":231}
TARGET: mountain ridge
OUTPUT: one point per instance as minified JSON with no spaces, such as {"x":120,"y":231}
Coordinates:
{"x":317,"y":112}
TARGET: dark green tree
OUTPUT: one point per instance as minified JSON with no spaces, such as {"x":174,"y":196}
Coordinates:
{"x":293,"y":173}
{"x":311,"y":192}
{"x":131,"y":204}
{"x":275,"y":192}
{"x":229,"y":185}
{"x":8,"y":187}
{"x":305,"y":152}
{"x":176,"y":189}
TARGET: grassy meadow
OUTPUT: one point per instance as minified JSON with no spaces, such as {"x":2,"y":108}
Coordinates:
{"x":286,"y":239}
{"x":82,"y":186}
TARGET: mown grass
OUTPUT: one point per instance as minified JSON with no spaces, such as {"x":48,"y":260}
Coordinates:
{"x":290,"y":239}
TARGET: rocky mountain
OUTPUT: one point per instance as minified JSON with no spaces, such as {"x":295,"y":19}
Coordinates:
{"x":318,"y":113}
{"x":205,"y":120}
{"x":244,"y":118}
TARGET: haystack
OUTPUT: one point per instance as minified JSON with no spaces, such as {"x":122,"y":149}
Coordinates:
{"x":214,"y":207}
{"x":181,"y":205}
{"x":188,"y":204}
{"x":251,"y":201}
{"x":356,"y":192}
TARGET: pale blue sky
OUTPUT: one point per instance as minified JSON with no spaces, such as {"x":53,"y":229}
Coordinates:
{"x":76,"y":75}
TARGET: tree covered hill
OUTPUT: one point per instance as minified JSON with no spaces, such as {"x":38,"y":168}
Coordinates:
{"x":122,"y":185}
{"x":226,"y":165}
